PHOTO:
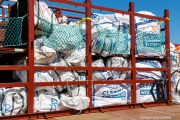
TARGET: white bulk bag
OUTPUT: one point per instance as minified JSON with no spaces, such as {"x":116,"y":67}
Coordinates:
{"x":149,"y":64}
{"x":108,"y":95}
{"x":147,"y":74}
{"x":76,"y":58}
{"x":63,"y":20}
{"x":54,"y":74}
{"x":76,"y":103}
{"x":174,"y":59}
{"x":175,"y":83}
{"x":59,"y":61}
{"x":77,"y":90}
{"x":15,"y":101}
{"x":39,"y":76}
{"x":43,"y":54}
{"x":102,"y":28}
{"x":175,"y":72}
{"x":42,"y":76}
{"x":82,"y":76}
{"x":175,"y":97}
{"x":71,"y":23}
{"x":101,"y":74}
{"x":172,"y":47}
{"x":98,"y":63}
{"x":20,"y":75}
{"x":115,"y":17}
{"x":1,"y":99}
{"x":146,"y":24}
{"x":64,"y":75}
{"x":100,"y":21}
{"x":174,"y":56}
{"x":117,"y":62}
{"x":42,"y":11}
{"x":143,"y":94}
{"x":175,"y":89}
{"x":46,"y":100}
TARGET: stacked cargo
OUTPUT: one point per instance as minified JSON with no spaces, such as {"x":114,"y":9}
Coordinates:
{"x":60,"y":42}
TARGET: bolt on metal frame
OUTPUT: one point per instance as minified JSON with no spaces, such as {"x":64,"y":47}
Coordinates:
{"x":88,"y":12}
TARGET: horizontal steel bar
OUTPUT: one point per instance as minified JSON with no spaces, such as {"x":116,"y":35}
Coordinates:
{"x":69,"y":2}
{"x":144,"y":81}
{"x":116,"y":55}
{"x":120,"y":81}
{"x":67,"y":9}
{"x":111,"y":81}
{"x":12,"y":49}
{"x":154,"y":57}
{"x":50,"y":115}
{"x":14,"y":84}
{"x":20,"y":84}
{"x":111,"y":68}
{"x":109,"y":9}
{"x":128,"y":106}
{"x":13,"y":67}
{"x":41,"y":115}
{"x":60,"y":83}
{"x":58,"y":68}
{"x":150,"y":16}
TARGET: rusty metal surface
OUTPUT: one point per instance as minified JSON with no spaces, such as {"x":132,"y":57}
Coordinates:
{"x":152,"y":113}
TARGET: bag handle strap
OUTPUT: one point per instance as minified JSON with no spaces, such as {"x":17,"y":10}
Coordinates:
{"x":13,"y":99}
{"x":177,"y":85}
{"x":12,"y":104}
{"x":23,"y":103}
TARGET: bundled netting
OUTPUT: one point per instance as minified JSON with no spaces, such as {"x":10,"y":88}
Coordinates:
{"x":112,"y":41}
{"x":62,"y":37}
{"x":150,"y":42}
{"x":11,"y":31}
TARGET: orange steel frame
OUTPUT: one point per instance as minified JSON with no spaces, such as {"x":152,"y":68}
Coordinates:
{"x":88,"y":7}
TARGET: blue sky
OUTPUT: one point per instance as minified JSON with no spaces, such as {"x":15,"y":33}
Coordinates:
{"x":155,"y":6}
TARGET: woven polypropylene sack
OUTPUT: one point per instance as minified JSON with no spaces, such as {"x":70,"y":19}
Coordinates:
{"x":62,"y":37}
{"x":10,"y":31}
{"x":113,"y":41}
{"x":150,"y":42}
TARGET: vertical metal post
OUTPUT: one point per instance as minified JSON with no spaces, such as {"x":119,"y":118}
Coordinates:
{"x":31,"y":56}
{"x":9,"y":9}
{"x":3,"y":11}
{"x":60,"y":12}
{"x":133,"y":58}
{"x":167,"y":43}
{"x":88,"y":51}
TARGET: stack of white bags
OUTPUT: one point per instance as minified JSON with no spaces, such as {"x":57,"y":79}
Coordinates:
{"x":146,"y":45}
{"x":110,"y":75}
{"x":110,"y":94}
{"x":55,"y":97}
{"x":175,"y":75}
{"x":143,"y":89}
{"x":65,"y":97}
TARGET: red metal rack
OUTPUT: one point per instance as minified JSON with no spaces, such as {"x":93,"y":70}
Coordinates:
{"x":88,"y":12}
